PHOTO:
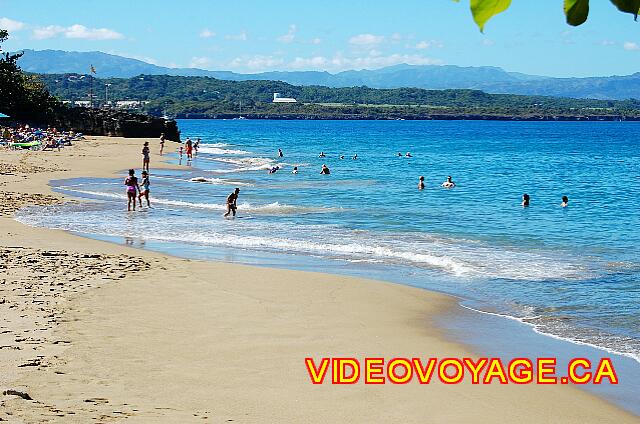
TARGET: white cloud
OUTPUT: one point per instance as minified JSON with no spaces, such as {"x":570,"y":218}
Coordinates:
{"x":238,"y":37}
{"x":316,"y":41}
{"x":290,"y":35}
{"x":396,"y":36}
{"x":366,"y":39}
{"x":374,"y":60}
{"x":256,"y":63}
{"x":315,"y":62}
{"x":76,"y":31}
{"x":428,"y":44}
{"x":206,"y":33}
{"x":199,"y":62}
{"x":11,"y":25}
{"x":81,"y":31}
{"x":488,"y":42}
{"x":50,"y":31}
{"x":631,"y":45}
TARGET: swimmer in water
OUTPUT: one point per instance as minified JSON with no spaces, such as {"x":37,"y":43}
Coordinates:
{"x":274,"y":170}
{"x":525,"y":200}
{"x":295,"y":170}
{"x":399,"y":154}
{"x":280,"y":154}
{"x":322,"y":155}
{"x":325,"y":170}
{"x":341,"y":157}
{"x":421,"y":183}
{"x":449,"y":183}
{"x":355,"y":156}
{"x":408,"y":155}
{"x":565,"y":201}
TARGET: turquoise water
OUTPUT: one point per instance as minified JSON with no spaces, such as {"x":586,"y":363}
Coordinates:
{"x":573,"y":272}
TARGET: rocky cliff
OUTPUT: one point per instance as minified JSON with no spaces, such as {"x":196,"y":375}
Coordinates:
{"x":113,"y":123}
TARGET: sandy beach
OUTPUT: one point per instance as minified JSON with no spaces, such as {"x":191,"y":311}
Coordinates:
{"x":99,"y":332}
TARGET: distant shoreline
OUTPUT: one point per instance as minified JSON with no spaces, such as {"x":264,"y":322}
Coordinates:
{"x":472,"y":117}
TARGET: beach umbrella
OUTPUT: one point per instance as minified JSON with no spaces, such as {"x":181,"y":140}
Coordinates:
{"x":2,"y":115}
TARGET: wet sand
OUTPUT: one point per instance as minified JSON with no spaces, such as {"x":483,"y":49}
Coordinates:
{"x":98,"y":332}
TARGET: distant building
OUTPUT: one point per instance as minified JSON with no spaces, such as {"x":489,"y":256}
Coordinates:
{"x":130,"y":104}
{"x":279,"y":99}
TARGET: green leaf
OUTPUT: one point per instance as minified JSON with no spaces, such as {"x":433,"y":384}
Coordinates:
{"x":629,"y":6}
{"x":576,"y":11}
{"x":483,"y":10}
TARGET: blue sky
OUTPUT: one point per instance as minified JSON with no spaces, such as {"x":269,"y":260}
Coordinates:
{"x":254,"y":36}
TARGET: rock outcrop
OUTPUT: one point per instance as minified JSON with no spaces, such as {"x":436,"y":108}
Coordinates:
{"x":114,"y":123}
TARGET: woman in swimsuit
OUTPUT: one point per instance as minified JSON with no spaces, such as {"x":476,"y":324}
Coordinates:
{"x":161,"y":143}
{"x":145,"y":189}
{"x":145,"y":156}
{"x":132,"y":188}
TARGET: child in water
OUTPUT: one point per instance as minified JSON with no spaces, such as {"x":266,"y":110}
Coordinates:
{"x":145,"y":189}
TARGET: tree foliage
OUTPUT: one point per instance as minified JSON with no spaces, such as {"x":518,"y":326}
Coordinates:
{"x":576,"y":11}
{"x":23,"y":96}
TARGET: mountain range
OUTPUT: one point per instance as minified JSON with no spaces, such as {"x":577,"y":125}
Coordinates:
{"x":485,"y":78}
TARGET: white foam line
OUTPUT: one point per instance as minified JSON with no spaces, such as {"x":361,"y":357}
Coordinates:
{"x":633,"y":356}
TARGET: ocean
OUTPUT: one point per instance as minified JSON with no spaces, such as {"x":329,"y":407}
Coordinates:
{"x":572,"y":273}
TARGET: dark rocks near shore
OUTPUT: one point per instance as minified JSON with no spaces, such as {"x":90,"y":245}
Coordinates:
{"x":107,"y":122}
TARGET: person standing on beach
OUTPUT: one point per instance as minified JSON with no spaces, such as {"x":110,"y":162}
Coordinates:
{"x":132,"y":189}
{"x":161,"y":143}
{"x":188,"y":144}
{"x":145,"y":156}
{"x":232,"y":203}
{"x":145,"y":189}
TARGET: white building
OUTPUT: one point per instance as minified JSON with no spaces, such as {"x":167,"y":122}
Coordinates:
{"x":279,"y":99}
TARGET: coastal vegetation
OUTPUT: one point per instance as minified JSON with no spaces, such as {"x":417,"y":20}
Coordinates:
{"x":23,"y":95}
{"x":205,"y":97}
{"x":25,"y":98}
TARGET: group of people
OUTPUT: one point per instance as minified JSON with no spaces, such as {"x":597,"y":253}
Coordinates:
{"x":189,"y":148}
{"x":27,"y":137}
{"x":526,"y":199}
{"x":136,"y":189}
